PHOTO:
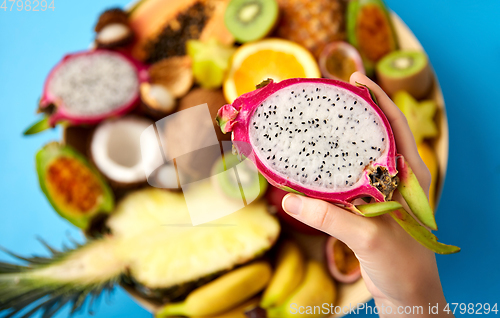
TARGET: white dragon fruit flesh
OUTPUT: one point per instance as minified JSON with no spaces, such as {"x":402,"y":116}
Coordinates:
{"x":323,"y":138}
{"x":87,"y":87}
{"x":329,"y":140}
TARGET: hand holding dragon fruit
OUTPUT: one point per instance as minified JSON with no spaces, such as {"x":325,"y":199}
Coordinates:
{"x":379,"y":243}
{"x":329,"y":140}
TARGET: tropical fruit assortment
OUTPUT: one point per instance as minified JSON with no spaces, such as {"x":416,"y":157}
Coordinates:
{"x":294,"y":123}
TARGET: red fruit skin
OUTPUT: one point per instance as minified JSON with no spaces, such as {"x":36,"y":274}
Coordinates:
{"x":61,"y":114}
{"x":275,"y":197}
{"x":332,"y":266}
{"x":239,"y":121}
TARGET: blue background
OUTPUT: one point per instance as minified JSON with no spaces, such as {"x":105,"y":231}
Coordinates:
{"x":462,"y":40}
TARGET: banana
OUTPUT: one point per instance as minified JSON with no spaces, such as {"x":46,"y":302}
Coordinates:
{"x":223,"y":293}
{"x":316,"y":289}
{"x":289,"y":272}
{"x":238,"y":312}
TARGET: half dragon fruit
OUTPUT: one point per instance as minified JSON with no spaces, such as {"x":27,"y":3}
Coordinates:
{"x":323,"y":138}
{"x":329,"y":140}
{"x":87,"y":87}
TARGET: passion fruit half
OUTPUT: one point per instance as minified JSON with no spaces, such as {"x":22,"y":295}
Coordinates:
{"x":73,"y":187}
{"x":339,"y":60}
{"x":342,"y":263}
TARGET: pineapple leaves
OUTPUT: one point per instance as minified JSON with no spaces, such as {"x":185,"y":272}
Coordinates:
{"x":40,"y":285}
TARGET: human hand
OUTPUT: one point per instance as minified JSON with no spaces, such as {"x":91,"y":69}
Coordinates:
{"x":397,"y":270}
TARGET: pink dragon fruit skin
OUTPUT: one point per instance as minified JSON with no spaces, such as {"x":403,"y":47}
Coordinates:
{"x":311,"y":122}
{"x":236,"y":118}
{"x":61,"y":112}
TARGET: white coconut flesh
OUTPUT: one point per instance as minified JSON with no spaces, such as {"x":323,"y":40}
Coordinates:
{"x":319,"y":136}
{"x":113,"y":32}
{"x":116,"y":149}
{"x":94,"y":84}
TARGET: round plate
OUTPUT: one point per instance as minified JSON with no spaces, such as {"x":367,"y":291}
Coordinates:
{"x":314,"y":246}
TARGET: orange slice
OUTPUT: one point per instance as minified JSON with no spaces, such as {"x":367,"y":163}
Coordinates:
{"x":270,"y":58}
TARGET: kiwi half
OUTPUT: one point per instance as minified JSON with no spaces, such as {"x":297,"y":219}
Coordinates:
{"x":405,"y":70}
{"x":250,"y":20}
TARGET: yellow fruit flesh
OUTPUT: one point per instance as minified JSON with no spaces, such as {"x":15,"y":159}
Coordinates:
{"x":374,"y":33}
{"x":73,"y":186}
{"x":344,"y":258}
{"x":187,"y":250}
{"x":429,"y":157}
{"x":420,"y":115}
{"x":223,"y":293}
{"x":238,"y":312}
{"x":316,"y":289}
{"x":289,"y":272}
{"x":262,"y":65}
{"x":270,"y":58}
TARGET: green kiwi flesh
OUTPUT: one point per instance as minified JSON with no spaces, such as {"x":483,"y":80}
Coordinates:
{"x":405,"y":70}
{"x":250,"y":20}
{"x":401,"y":64}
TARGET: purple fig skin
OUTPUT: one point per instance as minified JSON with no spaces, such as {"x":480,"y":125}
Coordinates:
{"x":235,"y":118}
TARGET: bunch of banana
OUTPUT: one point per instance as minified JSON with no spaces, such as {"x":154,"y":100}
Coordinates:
{"x":297,"y":284}
{"x":222,"y":294}
{"x":238,"y":312}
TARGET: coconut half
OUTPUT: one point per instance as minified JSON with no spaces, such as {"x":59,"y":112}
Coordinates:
{"x":113,"y":30}
{"x":115,"y":149}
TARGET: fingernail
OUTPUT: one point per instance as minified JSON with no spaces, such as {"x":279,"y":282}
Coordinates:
{"x":292,"y":204}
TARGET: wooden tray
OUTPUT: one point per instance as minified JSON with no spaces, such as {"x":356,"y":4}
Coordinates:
{"x":314,"y":246}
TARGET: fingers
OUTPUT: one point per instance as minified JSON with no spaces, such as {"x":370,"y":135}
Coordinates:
{"x":405,"y":142}
{"x":326,"y":217}
{"x":390,"y":110}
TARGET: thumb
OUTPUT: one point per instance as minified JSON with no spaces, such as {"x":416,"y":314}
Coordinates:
{"x":329,"y":218}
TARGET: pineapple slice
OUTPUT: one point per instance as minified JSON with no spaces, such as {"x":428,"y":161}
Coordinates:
{"x":186,"y":252}
{"x":153,"y":245}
